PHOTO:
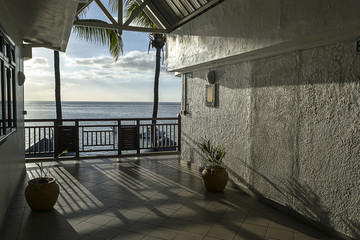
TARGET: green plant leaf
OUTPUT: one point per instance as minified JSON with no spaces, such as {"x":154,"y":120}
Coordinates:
{"x":213,"y":154}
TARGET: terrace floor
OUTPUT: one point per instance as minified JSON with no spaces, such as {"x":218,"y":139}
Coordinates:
{"x":145,"y":198}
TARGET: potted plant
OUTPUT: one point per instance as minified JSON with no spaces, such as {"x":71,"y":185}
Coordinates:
{"x":42,"y":192}
{"x":214,"y":175}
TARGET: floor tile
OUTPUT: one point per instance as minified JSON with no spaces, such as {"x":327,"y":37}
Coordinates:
{"x":210,"y":238}
{"x":257,"y":220}
{"x":221,"y":233}
{"x":100,"y":219}
{"x":164,"y":212}
{"x":152,"y":219}
{"x":149,"y":198}
{"x":163,"y":233}
{"x":61,"y":235}
{"x":85,"y":228}
{"x":141,"y":227}
{"x":174,"y":223}
{"x":129,"y":236}
{"x":182,"y":215}
{"x":120,"y":223}
{"x":133,"y":215}
{"x":311,"y":234}
{"x":197,"y":228}
{"x":188,"y":235}
{"x":9,"y":236}
{"x":252,"y":230}
{"x":106,"y":232}
{"x":151,"y":238}
{"x":279,"y":234}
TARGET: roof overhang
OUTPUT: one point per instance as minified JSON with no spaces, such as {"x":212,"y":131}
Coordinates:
{"x":44,"y":23}
{"x":48,"y":23}
{"x":167,"y":15}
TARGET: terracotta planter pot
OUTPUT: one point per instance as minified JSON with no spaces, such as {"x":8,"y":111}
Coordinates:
{"x":215,"y":179}
{"x":42,"y":193}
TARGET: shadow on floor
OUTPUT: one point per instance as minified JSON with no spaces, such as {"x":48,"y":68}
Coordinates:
{"x":146,"y":198}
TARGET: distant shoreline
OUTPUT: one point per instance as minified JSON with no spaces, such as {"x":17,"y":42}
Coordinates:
{"x":40,"y":101}
{"x":80,"y":109}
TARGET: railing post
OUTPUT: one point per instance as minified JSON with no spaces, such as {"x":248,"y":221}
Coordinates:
{"x":77,"y":153}
{"x":118,"y":136}
{"x":138,"y":136}
{"x":55,"y":140}
{"x":179,"y":132}
{"x":153,"y":136}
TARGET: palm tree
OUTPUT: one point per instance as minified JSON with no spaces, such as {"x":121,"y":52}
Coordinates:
{"x":57,"y":88}
{"x":108,"y":37}
{"x":112,"y":39}
{"x":157,"y":41}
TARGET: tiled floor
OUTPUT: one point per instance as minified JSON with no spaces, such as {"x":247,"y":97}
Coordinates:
{"x":146,"y":198}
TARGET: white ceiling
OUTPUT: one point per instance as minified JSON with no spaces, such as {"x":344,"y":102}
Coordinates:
{"x":48,"y":23}
{"x":44,"y":23}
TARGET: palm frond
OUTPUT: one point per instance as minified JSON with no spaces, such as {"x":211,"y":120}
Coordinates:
{"x":101,"y":36}
{"x":142,"y":19}
{"x":83,"y":13}
{"x":113,"y":5}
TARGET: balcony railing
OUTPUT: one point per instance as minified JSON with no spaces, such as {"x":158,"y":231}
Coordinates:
{"x":101,"y":137}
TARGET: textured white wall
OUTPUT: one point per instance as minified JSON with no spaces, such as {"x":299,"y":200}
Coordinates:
{"x":291,"y":127}
{"x":12,"y":162}
{"x":290,"y":121}
{"x":240,"y":27}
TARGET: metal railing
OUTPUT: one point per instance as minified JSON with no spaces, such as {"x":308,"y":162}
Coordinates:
{"x":101,"y":137}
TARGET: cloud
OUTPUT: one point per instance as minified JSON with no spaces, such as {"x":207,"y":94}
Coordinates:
{"x":132,"y":61}
{"x":37,"y":62}
{"x":99,"y":78}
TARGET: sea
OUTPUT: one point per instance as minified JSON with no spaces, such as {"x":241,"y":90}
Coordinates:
{"x":102,"y":110}
{"x":96,"y":110}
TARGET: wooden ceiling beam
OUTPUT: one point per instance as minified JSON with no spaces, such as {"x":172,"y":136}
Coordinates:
{"x":119,"y":27}
{"x":155,"y":16}
{"x":82,"y":6}
{"x":120,"y":12}
{"x":106,"y":12}
{"x":193,"y":14}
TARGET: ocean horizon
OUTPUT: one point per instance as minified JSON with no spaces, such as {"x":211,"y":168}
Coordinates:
{"x":96,"y":109}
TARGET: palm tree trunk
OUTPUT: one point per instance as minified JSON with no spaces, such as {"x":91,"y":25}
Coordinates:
{"x":156,"y":98}
{"x":156,"y":86}
{"x":57,"y":88}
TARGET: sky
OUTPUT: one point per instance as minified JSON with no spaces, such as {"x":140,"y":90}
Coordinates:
{"x":89,"y":73}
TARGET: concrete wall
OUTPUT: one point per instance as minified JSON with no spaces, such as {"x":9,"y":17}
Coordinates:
{"x":289,"y":118}
{"x":12,"y":162}
{"x":260,"y":26}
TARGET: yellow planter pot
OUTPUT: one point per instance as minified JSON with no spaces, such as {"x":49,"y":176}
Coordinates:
{"x":42,"y":193}
{"x":215,"y":179}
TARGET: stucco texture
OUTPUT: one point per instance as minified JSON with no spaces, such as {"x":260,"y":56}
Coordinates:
{"x":291,"y":126}
{"x":288,"y":100}
{"x":239,"y":27}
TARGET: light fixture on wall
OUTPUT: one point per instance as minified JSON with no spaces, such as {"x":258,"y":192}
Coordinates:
{"x":21,"y":78}
{"x":211,"y":77}
{"x":210,"y":94}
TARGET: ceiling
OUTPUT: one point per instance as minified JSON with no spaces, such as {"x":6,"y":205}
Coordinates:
{"x":166,"y":14}
{"x":44,"y":23}
{"x":48,"y":23}
{"x":174,"y":13}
